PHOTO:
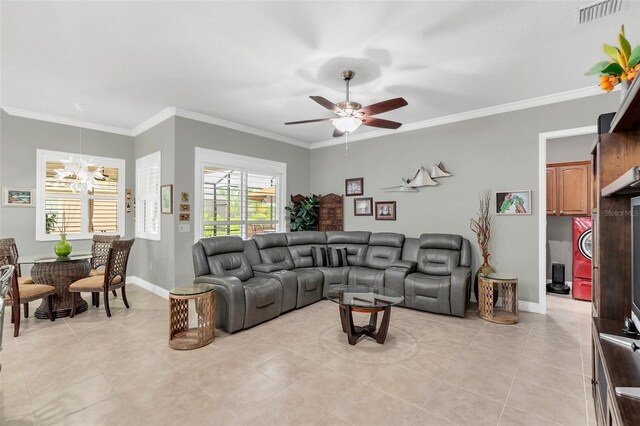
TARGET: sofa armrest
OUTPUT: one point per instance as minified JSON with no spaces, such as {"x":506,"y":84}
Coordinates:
{"x":230,"y":302}
{"x":406,"y":264}
{"x":460,"y":284}
{"x":267,"y":268}
{"x":394,"y":277}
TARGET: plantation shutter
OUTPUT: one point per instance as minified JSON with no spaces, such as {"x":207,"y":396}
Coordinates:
{"x":148,"y":197}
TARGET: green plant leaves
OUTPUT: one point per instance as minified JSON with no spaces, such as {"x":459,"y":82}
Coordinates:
{"x":303,"y":215}
{"x":613,"y":69}
{"x":597,"y":68}
{"x":634,"y":57}
{"x":611,"y":51}
{"x":626,"y":47}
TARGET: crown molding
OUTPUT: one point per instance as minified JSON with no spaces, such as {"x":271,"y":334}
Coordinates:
{"x":236,"y":126}
{"x":470,"y":115}
{"x":153,"y":121}
{"x":17,"y":112}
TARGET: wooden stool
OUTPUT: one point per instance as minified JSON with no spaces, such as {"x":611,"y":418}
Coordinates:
{"x":182,"y":337}
{"x":488,"y":286}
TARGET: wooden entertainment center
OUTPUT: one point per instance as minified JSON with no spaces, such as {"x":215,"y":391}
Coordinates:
{"x":614,"y":160}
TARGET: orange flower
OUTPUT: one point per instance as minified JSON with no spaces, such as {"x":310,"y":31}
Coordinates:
{"x":631,"y":75}
{"x":607,"y":83}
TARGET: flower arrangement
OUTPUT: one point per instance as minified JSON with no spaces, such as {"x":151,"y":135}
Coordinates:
{"x":623,"y":67}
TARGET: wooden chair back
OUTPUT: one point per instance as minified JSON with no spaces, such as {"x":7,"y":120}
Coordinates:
{"x":117,"y":260}
{"x":100,"y":249}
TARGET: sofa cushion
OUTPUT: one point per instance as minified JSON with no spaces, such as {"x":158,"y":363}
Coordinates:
{"x":437,"y":261}
{"x":230,"y":264}
{"x":387,"y":239}
{"x":359,"y":275}
{"x":338,"y":256}
{"x":441,"y":241}
{"x":220,"y":245}
{"x":264,"y":241}
{"x":309,"y":278}
{"x":348,"y":237}
{"x":306,"y":237}
{"x":381,"y":257}
{"x":428,"y":293}
{"x":263,"y":291}
{"x":320,"y":257}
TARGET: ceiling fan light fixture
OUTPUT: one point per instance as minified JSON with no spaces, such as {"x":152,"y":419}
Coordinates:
{"x":347,"y":124}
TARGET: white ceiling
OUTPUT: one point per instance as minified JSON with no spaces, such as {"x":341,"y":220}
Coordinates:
{"x":256,"y":63}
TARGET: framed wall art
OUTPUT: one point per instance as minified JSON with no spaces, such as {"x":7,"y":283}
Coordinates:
{"x":15,"y":197}
{"x":354,"y":186}
{"x":166,"y":199}
{"x":385,"y":210}
{"x":513,"y":203}
{"x":363,"y":206}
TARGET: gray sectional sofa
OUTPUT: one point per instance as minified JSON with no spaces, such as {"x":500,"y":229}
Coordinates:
{"x":259,"y":279}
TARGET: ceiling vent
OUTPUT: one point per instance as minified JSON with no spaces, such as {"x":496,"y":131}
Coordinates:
{"x":598,"y":10}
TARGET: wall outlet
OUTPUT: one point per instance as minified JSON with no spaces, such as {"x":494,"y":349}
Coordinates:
{"x":184,"y":227}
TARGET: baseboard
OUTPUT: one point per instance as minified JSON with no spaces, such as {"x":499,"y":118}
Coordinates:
{"x":523,"y":305}
{"x":162,"y":292}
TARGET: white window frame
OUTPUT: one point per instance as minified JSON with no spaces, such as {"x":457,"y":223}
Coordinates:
{"x":210,"y":157}
{"x":151,"y":159}
{"x":42,"y":156}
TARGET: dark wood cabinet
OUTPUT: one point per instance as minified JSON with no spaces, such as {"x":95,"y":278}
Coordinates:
{"x":614,"y":157}
{"x":568,"y":189}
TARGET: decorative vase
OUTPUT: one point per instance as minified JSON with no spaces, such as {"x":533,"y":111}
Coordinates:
{"x":624,"y":89}
{"x":486,"y":268}
{"x":63,"y":248}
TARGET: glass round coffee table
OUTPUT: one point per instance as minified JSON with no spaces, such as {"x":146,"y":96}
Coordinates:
{"x":181,"y":336}
{"x":366,"y":300}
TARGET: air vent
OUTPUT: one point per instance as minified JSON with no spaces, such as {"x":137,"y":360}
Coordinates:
{"x":598,"y":10}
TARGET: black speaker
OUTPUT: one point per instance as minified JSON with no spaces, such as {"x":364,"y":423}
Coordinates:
{"x":557,"y":273}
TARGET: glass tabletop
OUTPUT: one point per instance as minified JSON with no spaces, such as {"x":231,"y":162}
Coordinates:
{"x":364,"y":297}
{"x":192,"y":289}
{"x":499,"y":276}
{"x":23,"y":260}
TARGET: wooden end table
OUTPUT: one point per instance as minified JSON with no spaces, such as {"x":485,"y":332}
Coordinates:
{"x":488,"y":287}
{"x":181,"y":336}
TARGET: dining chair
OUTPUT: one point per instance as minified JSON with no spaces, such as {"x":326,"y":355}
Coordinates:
{"x":6,"y":272}
{"x":99,"y":251}
{"x":11,"y":243}
{"x":114,"y":277}
{"x":22,"y":294}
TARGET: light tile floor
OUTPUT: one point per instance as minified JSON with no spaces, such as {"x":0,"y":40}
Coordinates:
{"x":298,"y":369}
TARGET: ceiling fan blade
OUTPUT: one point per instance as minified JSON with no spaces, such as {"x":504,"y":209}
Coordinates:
{"x":379,"y":122}
{"x":327,"y":104}
{"x":337,"y":133}
{"x":384,"y":106}
{"x":310,"y":121}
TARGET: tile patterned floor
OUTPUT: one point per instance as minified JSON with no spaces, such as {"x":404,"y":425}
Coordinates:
{"x":299,"y":370}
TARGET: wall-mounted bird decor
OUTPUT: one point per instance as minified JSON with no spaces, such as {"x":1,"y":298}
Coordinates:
{"x":421,"y":179}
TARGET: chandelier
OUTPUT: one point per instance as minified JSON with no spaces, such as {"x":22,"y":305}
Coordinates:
{"x":76,"y":171}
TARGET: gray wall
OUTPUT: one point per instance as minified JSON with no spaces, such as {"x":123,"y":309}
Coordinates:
{"x":559,"y":232}
{"x":499,"y":152}
{"x":153,"y":260}
{"x":191,"y":134}
{"x":19,"y":139}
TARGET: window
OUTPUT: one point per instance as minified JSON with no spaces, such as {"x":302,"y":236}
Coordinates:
{"x":237,"y":195}
{"x":148,"y":197}
{"x":80,"y":214}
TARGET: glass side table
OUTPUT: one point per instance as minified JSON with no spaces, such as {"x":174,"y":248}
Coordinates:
{"x":489,"y":286}
{"x":181,"y":336}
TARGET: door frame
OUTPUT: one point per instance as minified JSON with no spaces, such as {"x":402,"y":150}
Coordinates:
{"x":542,"y":203}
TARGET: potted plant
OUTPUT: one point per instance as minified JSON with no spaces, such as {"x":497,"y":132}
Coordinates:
{"x":623,"y":67}
{"x":481,"y":226}
{"x":303,"y":214}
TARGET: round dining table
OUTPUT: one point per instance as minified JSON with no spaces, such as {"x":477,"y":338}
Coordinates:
{"x":60,"y":274}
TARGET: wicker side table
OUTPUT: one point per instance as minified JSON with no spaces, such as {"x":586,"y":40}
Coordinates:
{"x":489,"y":286}
{"x":182,"y":337}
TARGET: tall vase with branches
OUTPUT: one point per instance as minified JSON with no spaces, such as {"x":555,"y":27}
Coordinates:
{"x":63,"y":222}
{"x":481,"y":226}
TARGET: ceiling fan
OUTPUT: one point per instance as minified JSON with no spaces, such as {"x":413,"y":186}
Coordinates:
{"x":351,"y":114}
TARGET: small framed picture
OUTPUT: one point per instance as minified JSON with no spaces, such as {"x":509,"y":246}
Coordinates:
{"x":513,"y":203}
{"x":363,"y":206}
{"x":354,"y":186}
{"x":385,"y":210}
{"x":13,"y":197}
{"x":166,"y":199}
{"x":184,"y":197}
{"x":184,"y":207}
{"x":184,"y":217}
